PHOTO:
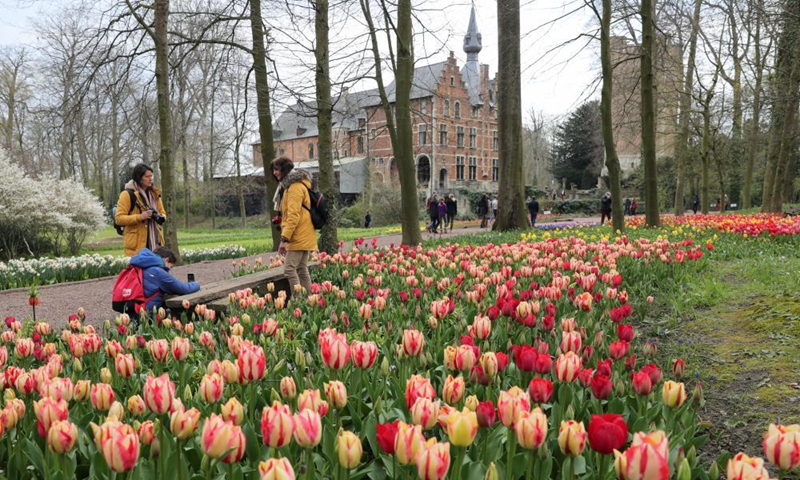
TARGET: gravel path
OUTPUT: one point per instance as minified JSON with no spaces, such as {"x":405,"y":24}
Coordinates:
{"x":60,"y":301}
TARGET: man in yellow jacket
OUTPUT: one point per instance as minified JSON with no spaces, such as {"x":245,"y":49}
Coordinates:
{"x":298,"y":238}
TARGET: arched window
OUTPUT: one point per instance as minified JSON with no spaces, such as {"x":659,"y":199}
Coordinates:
{"x":311,"y":150}
{"x":447,"y":108}
{"x":458,"y":110}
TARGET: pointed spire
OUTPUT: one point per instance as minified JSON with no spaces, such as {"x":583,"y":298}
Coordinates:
{"x":472,"y":40}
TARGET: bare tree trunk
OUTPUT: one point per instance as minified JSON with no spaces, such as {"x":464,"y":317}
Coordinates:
{"x":511,"y":211}
{"x":704,"y":143}
{"x":753,"y":144}
{"x":648,"y":116}
{"x":404,"y":154}
{"x":784,"y":108}
{"x":612,"y":160}
{"x":329,"y":240}
{"x":115,"y":154}
{"x":686,"y":111}
{"x":160,"y":22}
{"x":239,"y":189}
{"x":210,"y":189}
{"x":263,"y":109}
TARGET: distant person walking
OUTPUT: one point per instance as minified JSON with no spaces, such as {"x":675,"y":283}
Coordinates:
{"x":483,"y":210}
{"x":627,"y":205}
{"x":605,"y":208}
{"x":634,"y":206}
{"x":140,"y":212}
{"x":695,"y":203}
{"x":494,"y":208}
{"x":452,"y":211}
{"x":367,"y":219}
{"x":442,"y":212}
{"x":432,"y":206}
{"x":533,"y":209}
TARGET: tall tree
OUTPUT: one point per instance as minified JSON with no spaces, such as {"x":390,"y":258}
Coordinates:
{"x":757,"y":16}
{"x":648,"y":115}
{"x":682,"y":148}
{"x":400,"y":130}
{"x":607,"y":121}
{"x":159,"y":36}
{"x":262,"y":107}
{"x":511,"y":211}
{"x":783,"y":125}
{"x":578,"y":147}
{"x":329,"y":241}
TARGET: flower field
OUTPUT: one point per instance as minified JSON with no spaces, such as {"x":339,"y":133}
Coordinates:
{"x":46,"y":271}
{"x":501,"y":360}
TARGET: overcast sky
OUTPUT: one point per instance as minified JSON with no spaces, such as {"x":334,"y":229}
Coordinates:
{"x":554,"y":80}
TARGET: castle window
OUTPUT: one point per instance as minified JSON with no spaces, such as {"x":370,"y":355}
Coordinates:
{"x":458,"y":109}
{"x":459,"y":167}
{"x":495,"y":141}
{"x":495,"y":170}
{"x":473,"y":168}
{"x":452,"y":81}
{"x":372,"y":133}
{"x":460,"y":136}
{"x":447,"y":108}
{"x":360,"y":145}
{"x":443,"y":134}
{"x":424,"y":107}
{"x":473,"y":137}
{"x":423,"y":134}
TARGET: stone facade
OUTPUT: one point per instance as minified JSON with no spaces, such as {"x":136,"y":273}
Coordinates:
{"x":626,"y":100}
{"x":454,"y":124}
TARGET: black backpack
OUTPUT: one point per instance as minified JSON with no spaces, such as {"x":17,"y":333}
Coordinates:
{"x":318,"y":210}
{"x":120,"y":228}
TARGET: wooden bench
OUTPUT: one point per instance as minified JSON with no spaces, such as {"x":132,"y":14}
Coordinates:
{"x":215,"y":294}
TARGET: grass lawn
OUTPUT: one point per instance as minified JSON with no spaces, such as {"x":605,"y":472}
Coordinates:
{"x":255,"y":240}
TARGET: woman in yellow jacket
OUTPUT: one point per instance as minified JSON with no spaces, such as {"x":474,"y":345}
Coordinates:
{"x":141,"y":221}
{"x":298,"y":238}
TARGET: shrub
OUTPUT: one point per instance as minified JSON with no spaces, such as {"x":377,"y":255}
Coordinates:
{"x":44,"y":215}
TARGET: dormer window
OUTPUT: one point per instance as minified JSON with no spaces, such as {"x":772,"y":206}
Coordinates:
{"x":447,"y":108}
{"x":452,"y":81}
{"x":362,"y":122}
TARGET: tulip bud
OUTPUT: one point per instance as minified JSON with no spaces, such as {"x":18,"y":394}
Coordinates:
{"x":471,"y":403}
{"x":299,"y":358}
{"x":274,"y":396}
{"x":491,"y":473}
{"x":77,"y":365}
{"x":349,"y":449}
{"x":684,"y":470}
{"x":279,"y":366}
{"x":187,"y":394}
{"x":713,"y":471}
{"x":385,"y":367}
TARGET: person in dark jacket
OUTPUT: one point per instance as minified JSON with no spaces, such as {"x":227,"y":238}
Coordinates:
{"x":627,"y":205}
{"x":483,"y":210}
{"x":452,"y":210}
{"x":605,"y":208}
{"x":367,"y":219}
{"x":695,"y":203}
{"x":533,"y":209}
{"x":156,"y":277}
{"x":432,"y":205}
{"x":442,"y":213}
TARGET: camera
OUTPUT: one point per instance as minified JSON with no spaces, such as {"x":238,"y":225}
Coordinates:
{"x":276,"y":220}
{"x":160,"y":219}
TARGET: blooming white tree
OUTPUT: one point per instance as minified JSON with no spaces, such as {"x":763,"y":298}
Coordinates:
{"x":43,"y":215}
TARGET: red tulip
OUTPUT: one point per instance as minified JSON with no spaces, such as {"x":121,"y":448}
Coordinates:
{"x":640,"y":381}
{"x":619,"y":349}
{"x":654,"y":372}
{"x":486,"y":414}
{"x":386,"y":433}
{"x":678,"y":367}
{"x":540,"y":390}
{"x":607,"y":433}
{"x":252,"y":363}
{"x":625,"y":332}
{"x":601,"y":386}
{"x":363,"y":354}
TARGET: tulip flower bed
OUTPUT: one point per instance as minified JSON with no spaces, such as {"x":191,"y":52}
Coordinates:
{"x":499,"y":360}
{"x":751,"y":225}
{"x":46,"y":271}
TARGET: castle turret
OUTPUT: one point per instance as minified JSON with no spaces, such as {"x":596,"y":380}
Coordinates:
{"x":470,"y":73}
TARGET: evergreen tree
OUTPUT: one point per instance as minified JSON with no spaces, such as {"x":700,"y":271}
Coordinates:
{"x":578,"y":147}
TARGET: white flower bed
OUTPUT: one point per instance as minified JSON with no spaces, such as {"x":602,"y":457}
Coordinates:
{"x":46,"y":271}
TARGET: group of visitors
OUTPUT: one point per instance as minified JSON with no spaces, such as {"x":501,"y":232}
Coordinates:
{"x":487,"y":210}
{"x":139,"y":217}
{"x":630,"y":204}
{"x":442,"y":212}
